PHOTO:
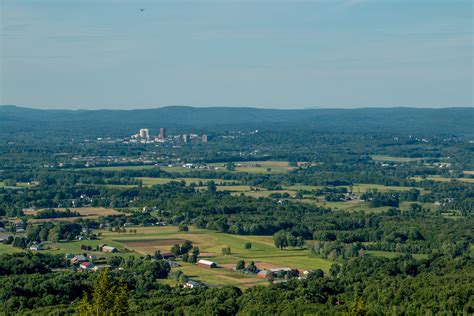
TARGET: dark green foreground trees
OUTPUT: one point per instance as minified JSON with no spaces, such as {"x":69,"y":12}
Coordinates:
{"x":441,"y":284}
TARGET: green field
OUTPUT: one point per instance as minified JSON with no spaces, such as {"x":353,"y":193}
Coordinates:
{"x":267,"y":193}
{"x":303,"y":187}
{"x":8,"y":249}
{"x":356,"y":188}
{"x":348,"y":206}
{"x":443,"y":179}
{"x":257,"y":166}
{"x":149,"y":239}
{"x":235,"y":188}
{"x":19,"y":185}
{"x":397,"y":159}
{"x":219,"y":276}
{"x":361,"y":188}
{"x":117,"y":186}
{"x":362,"y":206}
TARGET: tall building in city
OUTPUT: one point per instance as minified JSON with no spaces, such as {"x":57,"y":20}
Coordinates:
{"x":185,"y":138}
{"x":144,"y":133}
{"x":204,"y":138}
{"x":162,"y":133}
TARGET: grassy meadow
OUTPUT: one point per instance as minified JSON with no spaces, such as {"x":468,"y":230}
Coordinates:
{"x":264,"y":167}
{"x":397,"y":159}
{"x":443,"y":179}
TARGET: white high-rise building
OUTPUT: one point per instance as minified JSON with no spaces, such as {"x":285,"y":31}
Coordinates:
{"x":144,"y":133}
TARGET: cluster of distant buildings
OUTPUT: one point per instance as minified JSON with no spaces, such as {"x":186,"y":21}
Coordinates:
{"x":85,"y":262}
{"x":145,"y":137}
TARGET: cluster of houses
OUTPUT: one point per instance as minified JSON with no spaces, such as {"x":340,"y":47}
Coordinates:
{"x":85,"y":263}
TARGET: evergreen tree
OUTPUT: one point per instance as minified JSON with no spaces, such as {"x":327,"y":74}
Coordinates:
{"x":109,"y":297}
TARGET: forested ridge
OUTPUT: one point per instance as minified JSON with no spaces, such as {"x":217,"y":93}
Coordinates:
{"x":409,"y":120}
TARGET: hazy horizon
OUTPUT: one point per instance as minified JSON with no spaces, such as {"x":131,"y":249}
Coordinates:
{"x":110,"y":54}
{"x":237,"y":107}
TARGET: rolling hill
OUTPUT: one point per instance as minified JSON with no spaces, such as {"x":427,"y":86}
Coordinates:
{"x":449,"y":121}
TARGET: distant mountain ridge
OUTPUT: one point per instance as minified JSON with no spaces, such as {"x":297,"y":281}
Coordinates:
{"x":456,"y":120}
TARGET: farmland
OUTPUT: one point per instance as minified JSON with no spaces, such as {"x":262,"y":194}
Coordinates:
{"x":149,"y":239}
{"x":84,"y":212}
{"x":444,"y":179}
{"x":220,"y":276}
{"x":264,"y":167}
{"x":398,"y":159}
{"x":292,"y":189}
{"x":356,"y":188}
{"x":354,"y":206}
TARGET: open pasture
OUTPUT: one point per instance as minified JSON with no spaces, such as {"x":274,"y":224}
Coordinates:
{"x":94,"y":211}
{"x":444,"y":179}
{"x":356,"y":188}
{"x":267,"y":193}
{"x":362,"y":188}
{"x":221,"y":276}
{"x":8,"y":249}
{"x":356,"y":206}
{"x":398,"y":159}
{"x":235,"y":188}
{"x":85,"y":212}
{"x":266,"y":167}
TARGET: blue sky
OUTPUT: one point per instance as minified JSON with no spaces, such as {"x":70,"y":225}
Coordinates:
{"x":273,"y":54}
